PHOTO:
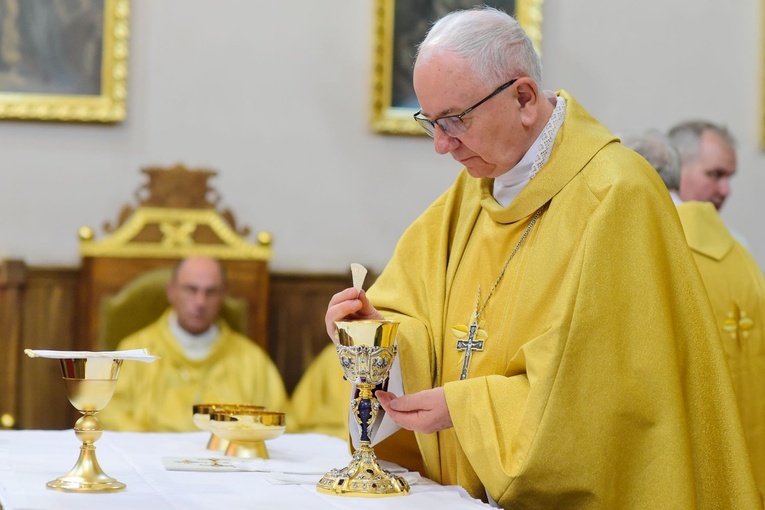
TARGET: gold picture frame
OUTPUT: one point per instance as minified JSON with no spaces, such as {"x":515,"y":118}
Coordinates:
{"x":71,"y":67}
{"x":394,"y":47}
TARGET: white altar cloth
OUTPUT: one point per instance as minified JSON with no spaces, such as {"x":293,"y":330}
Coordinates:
{"x":30,"y":458}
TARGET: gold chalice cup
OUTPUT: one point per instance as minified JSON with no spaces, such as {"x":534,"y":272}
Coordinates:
{"x":90,"y":384}
{"x":366,"y":350}
{"x":247,"y":430}
{"x":201,"y":416}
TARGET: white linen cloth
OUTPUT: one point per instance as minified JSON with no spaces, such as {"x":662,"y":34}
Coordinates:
{"x":30,"y":458}
{"x":131,"y":354}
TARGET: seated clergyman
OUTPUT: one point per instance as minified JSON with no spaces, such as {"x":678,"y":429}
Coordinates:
{"x":202,"y":359}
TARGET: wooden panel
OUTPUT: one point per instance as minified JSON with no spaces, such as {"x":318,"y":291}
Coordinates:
{"x":49,"y":322}
{"x":298,"y":305}
{"x":12,"y":279}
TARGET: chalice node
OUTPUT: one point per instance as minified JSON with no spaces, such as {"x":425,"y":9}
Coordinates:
{"x":366,"y":350}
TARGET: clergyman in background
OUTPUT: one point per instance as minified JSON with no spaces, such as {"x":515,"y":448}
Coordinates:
{"x":708,"y":161}
{"x":202,"y":360}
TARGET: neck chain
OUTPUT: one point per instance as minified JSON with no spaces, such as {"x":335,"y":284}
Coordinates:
{"x":502,"y":273}
{"x":471,"y":338}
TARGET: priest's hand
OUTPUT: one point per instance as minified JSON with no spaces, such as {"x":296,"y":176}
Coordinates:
{"x":350,"y":304}
{"x":425,"y":411}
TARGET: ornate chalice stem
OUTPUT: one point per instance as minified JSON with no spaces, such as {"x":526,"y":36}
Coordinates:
{"x":366,"y":412}
{"x":366,"y":351}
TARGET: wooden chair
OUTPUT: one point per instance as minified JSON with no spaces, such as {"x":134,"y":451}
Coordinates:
{"x":122,"y":276}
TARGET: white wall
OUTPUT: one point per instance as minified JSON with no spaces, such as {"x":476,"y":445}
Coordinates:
{"x":650,"y":64}
{"x":275,"y":95}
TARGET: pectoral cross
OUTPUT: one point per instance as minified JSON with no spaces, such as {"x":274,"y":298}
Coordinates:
{"x":472,"y":343}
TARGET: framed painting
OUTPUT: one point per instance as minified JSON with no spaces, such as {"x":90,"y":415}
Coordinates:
{"x":400,"y":26}
{"x":63,"y":60}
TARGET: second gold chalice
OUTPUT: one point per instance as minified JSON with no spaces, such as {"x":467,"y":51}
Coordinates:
{"x":247,"y":430}
{"x":201,"y":417}
{"x":366,"y":350}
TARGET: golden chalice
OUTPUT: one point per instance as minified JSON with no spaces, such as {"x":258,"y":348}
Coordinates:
{"x":247,"y":430}
{"x":201,"y":416}
{"x":366,"y":350}
{"x":90,"y":384}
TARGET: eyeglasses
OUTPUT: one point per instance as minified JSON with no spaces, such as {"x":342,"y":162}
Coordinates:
{"x":453,"y":125}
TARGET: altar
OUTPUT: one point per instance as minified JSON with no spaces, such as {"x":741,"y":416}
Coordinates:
{"x":177,"y":471}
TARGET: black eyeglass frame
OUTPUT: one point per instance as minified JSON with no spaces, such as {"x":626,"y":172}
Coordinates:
{"x":430,"y":125}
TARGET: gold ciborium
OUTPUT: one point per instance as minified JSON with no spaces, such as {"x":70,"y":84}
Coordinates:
{"x":366,"y":350}
{"x":201,"y":417}
{"x":90,"y":384}
{"x":246,"y":430}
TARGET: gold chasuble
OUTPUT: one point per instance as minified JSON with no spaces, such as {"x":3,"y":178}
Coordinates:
{"x":158,"y":397}
{"x":601,"y":383}
{"x":736,"y":290}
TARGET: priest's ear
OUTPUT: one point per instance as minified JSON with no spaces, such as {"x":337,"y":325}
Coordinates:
{"x":528,"y":96}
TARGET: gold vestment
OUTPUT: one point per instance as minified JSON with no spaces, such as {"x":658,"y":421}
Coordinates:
{"x":736,"y":289}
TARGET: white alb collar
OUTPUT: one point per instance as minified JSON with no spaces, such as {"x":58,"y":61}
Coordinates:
{"x":508,"y":185}
{"x":194,"y":346}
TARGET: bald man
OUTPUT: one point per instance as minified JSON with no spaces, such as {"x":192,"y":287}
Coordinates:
{"x":202,"y":359}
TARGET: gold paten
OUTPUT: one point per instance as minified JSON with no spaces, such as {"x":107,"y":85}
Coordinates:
{"x":247,"y":430}
{"x":201,"y":417}
{"x":396,"y":119}
{"x":366,"y":350}
{"x":90,"y":384}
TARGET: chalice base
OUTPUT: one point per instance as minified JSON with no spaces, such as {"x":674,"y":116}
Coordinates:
{"x":247,"y":450}
{"x":363,"y":477}
{"x":86,"y":475}
{"x":216,"y":443}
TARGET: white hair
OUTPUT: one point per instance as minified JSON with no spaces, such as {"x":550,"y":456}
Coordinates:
{"x":494,"y":43}
{"x":659,"y":151}
{"x":686,"y":136}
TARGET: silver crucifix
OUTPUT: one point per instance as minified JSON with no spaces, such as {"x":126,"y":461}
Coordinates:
{"x":469,"y":345}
